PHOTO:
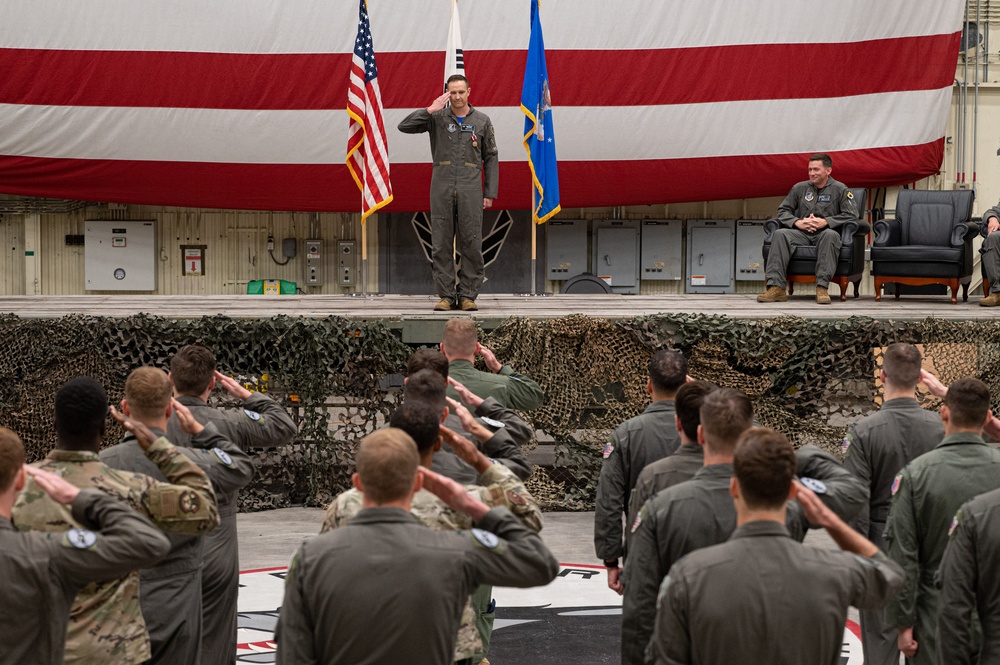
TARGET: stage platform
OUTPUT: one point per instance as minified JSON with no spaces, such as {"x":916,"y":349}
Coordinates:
{"x":414,"y":317}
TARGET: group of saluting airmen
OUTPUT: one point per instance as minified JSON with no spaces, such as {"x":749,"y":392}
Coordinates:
{"x":128,"y":554}
{"x":715,"y":512}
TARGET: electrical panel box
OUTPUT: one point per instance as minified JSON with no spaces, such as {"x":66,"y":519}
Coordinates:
{"x":616,"y":254}
{"x":661,"y":255}
{"x":346,"y":263}
{"x":120,"y":256}
{"x":565,"y":248}
{"x":710,"y":246}
{"x":313,"y":266}
{"x":749,"y":250}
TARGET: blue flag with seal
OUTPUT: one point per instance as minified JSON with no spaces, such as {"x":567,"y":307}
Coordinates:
{"x":539,"y":137}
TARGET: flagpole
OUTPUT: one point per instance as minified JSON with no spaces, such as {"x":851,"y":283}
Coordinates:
{"x":364,"y":258}
{"x":534,"y":243}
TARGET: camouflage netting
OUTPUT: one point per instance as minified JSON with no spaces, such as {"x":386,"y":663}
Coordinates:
{"x":809,"y":379}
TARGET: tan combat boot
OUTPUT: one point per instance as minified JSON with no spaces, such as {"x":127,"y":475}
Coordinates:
{"x":822,"y":296}
{"x":991,"y":300}
{"x":467,"y":305}
{"x":443,"y":305}
{"x":773,"y":294}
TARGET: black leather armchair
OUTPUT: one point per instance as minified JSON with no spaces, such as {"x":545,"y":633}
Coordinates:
{"x":851,"y":263}
{"x":929,"y":241}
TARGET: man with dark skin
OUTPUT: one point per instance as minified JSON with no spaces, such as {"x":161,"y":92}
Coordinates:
{"x":463,"y":149}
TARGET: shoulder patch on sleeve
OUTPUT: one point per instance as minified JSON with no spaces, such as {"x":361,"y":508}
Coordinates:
{"x":817,"y":486}
{"x":252,"y":415}
{"x":189,"y":502}
{"x":850,"y":194}
{"x":896,"y":482}
{"x":637,"y":522}
{"x":608,"y":449}
{"x":845,"y":445}
{"x":80,"y":539}
{"x":496,"y":424}
{"x":223,"y":456}
{"x":485,"y":538}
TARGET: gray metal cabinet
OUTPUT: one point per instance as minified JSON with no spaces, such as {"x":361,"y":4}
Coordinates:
{"x":710,"y":246}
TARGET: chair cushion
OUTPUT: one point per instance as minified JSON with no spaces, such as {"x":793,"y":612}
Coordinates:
{"x":918,"y":253}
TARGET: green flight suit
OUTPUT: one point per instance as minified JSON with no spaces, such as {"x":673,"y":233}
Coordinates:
{"x":509,"y":388}
{"x":466,"y":170}
{"x":926,"y":495}
{"x":43,"y":572}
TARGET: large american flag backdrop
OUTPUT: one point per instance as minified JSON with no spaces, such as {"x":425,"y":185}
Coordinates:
{"x":235,"y":104}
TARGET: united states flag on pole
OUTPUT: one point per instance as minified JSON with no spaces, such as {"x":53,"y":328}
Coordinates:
{"x":367,"y":151}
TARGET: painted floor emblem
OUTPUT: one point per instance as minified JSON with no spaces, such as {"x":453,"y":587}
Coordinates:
{"x":575,"y":619}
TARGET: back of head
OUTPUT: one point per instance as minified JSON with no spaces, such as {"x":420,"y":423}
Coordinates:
{"x":968,"y":402}
{"x":427,"y":359}
{"x":668,"y":371}
{"x":460,"y":338}
{"x":148,"y":392}
{"x":420,"y":420}
{"x":764,"y":465}
{"x":387,"y":463}
{"x":11,"y":457}
{"x":901,"y":364}
{"x":81,"y":409}
{"x":688,"y":403}
{"x":725,"y":415}
{"x":426,"y":386}
{"x":192,"y":369}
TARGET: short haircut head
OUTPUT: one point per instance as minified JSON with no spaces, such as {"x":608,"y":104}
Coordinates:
{"x":426,"y":386}
{"x":11,"y":457}
{"x":688,"y":403}
{"x":725,"y":415}
{"x":460,"y":337}
{"x":901,"y":364}
{"x":822,"y":157}
{"x":764,"y":465}
{"x":968,"y":402}
{"x":427,"y":359}
{"x":387,"y":463}
{"x":192,"y":369}
{"x":81,"y":408}
{"x":456,"y":77}
{"x":148,"y":392}
{"x":668,"y":370}
{"x":420,"y":420}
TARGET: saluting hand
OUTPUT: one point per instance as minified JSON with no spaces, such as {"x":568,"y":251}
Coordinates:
{"x":468,"y":397}
{"x":439,"y":103}
{"x":142,"y":434}
{"x":231,"y":386}
{"x":453,"y":494}
{"x":934,"y":385}
{"x":186,"y":420}
{"x":61,"y":490}
{"x":489,"y":358}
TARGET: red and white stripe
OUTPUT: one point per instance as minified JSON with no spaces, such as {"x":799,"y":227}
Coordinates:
{"x":217,"y":105}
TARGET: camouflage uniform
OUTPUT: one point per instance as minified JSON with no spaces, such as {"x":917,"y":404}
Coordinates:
{"x":504,"y":489}
{"x":43,"y":571}
{"x":170,"y":591}
{"x":105,"y":623}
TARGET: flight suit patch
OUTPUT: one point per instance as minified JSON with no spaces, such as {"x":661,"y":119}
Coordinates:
{"x":608,"y":449}
{"x":817,"y":486}
{"x":896,"y":482}
{"x":452,"y":127}
{"x":845,"y":444}
{"x":80,"y":539}
{"x":252,"y":415}
{"x":495,"y":424}
{"x":824,"y":198}
{"x":485,"y":538}
{"x":638,"y":521}
{"x":809,"y":197}
{"x":468,"y":128}
{"x":954,"y":523}
{"x":223,"y":456}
